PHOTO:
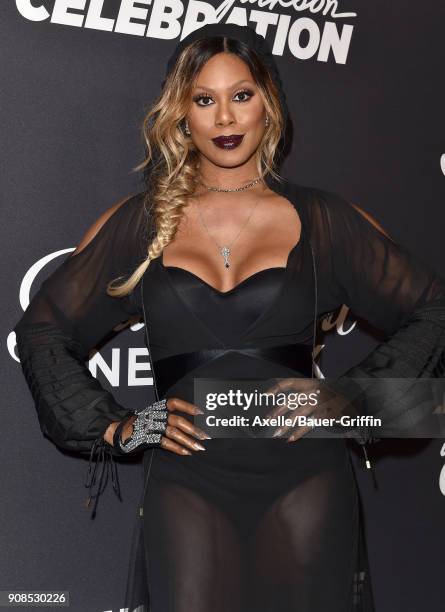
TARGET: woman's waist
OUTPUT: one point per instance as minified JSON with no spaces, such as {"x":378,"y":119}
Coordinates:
{"x":230,"y":363}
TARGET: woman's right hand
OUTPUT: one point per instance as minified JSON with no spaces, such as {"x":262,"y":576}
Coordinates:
{"x":179,"y":434}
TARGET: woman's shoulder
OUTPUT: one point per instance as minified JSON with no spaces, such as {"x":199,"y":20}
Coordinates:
{"x":312,"y":194}
{"x":318,"y":205}
{"x":125,"y":205}
{"x":128,"y":213}
{"x":123,"y":217}
{"x":334,"y":205}
{"x":131,"y":204}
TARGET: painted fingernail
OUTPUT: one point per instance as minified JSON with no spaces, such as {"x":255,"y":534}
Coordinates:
{"x":278,"y":432}
{"x":186,"y":452}
{"x":198,"y":446}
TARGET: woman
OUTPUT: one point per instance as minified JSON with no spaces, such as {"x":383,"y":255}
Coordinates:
{"x":220,"y":253}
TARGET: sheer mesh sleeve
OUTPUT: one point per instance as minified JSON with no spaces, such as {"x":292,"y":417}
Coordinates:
{"x":398,"y":293}
{"x":380,"y":280}
{"x":67,"y":317}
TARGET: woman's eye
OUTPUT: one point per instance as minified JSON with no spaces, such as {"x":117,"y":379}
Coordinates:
{"x":245,"y":96}
{"x":249,"y":94}
{"x":197,"y":99}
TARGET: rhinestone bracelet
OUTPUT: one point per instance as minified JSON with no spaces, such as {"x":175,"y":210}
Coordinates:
{"x":151,"y":419}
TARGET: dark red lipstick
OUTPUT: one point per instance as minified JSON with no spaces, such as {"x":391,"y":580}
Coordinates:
{"x":228,"y":142}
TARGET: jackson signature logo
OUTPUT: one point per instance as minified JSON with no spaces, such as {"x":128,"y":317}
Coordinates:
{"x":296,"y":30}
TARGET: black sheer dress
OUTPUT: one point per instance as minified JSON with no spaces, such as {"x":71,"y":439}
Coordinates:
{"x":248,"y":525}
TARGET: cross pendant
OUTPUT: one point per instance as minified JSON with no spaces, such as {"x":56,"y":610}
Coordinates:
{"x":225,"y":252}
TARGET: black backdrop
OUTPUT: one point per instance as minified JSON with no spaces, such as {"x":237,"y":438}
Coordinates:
{"x":365,"y":88}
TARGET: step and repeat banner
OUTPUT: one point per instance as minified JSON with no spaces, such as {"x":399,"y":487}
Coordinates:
{"x":366,"y":94}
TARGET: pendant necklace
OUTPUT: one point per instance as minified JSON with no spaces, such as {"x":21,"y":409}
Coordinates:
{"x":225,"y":249}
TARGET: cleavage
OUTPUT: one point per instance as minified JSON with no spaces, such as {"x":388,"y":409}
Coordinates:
{"x":296,"y":247}
{"x":218,"y":265}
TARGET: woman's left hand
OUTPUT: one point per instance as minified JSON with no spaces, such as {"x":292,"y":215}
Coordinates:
{"x":328,"y":404}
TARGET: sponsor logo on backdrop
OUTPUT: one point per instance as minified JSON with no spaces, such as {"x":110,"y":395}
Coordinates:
{"x":306,"y":29}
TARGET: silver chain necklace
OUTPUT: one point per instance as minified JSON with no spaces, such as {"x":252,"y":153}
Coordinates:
{"x":225,"y":249}
{"x":226,"y":190}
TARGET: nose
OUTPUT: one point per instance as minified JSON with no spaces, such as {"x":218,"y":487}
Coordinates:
{"x":224,"y":114}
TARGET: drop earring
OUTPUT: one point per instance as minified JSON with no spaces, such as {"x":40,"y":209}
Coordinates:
{"x":187,"y":131}
{"x":267,"y":120}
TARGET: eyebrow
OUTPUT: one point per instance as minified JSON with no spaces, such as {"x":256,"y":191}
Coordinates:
{"x":230,"y":86}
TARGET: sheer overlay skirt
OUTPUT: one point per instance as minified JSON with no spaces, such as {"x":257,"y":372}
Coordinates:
{"x":266,"y":530}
